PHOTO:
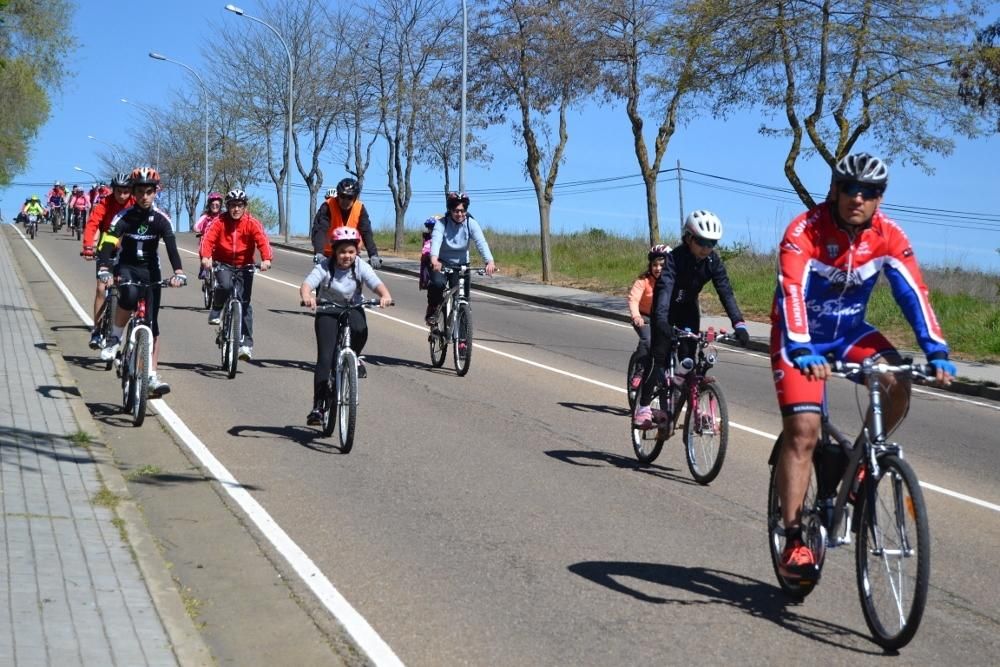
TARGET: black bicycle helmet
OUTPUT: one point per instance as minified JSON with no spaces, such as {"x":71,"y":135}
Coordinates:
{"x":348,"y":187}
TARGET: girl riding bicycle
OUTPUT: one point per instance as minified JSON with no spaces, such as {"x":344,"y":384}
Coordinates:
{"x":687,"y":269}
{"x":338,"y":280}
{"x":640,"y":304}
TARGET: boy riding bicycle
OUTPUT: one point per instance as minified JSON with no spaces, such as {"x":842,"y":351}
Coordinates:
{"x":828,"y":263}
{"x":688,"y":268}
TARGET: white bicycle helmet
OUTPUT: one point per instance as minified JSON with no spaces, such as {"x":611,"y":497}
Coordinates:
{"x":704,"y":225}
{"x":331,"y":193}
{"x":861,"y":168}
{"x":236,"y":195}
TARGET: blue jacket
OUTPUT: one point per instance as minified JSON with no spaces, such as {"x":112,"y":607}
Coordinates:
{"x":450,"y":241}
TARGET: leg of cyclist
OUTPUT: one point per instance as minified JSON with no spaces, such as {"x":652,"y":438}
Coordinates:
{"x":223,"y":286}
{"x":246,"y":347}
{"x":642,"y":349}
{"x":326,"y":327}
{"x":686,"y":316}
{"x":157,"y":387}
{"x":359,"y":336}
{"x":436,"y":285}
{"x":95,"y":335}
{"x":654,"y":364}
{"x":128,"y":297}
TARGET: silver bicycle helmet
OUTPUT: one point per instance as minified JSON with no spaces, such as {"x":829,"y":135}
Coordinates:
{"x":861,"y":168}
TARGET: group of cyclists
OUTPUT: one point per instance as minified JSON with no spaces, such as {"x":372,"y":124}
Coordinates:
{"x":829,"y":260}
{"x":76,"y":203}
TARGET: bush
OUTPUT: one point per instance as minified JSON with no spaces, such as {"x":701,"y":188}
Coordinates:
{"x":263,"y":211}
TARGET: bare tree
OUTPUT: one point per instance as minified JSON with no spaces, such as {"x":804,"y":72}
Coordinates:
{"x":408,"y":59}
{"x":533,"y":57}
{"x":851,"y":75}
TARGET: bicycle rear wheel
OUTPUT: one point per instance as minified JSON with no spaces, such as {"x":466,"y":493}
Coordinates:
{"x":812,"y":532}
{"x":706,"y":433}
{"x":139,"y":381}
{"x":439,"y":347}
{"x":647,"y":444}
{"x":462,"y":350}
{"x":206,"y":292}
{"x":347,"y":403}
{"x":893,"y":553}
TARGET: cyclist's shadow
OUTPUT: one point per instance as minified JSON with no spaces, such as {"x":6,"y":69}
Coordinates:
{"x":757,"y":598}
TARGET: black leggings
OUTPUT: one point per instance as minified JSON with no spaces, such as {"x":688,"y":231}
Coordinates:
{"x":326,"y":327}
{"x":224,"y":285}
{"x":129,"y":295}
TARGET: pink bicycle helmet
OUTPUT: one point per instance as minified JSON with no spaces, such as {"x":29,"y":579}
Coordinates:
{"x":346,"y":235}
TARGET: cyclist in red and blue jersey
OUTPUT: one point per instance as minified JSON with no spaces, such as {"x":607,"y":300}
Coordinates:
{"x":828,"y":263}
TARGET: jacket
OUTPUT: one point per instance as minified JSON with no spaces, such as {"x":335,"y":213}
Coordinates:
{"x":324,"y":223}
{"x":100,"y":219}
{"x":234,"y":242}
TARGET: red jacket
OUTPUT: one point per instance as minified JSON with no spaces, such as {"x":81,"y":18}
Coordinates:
{"x":100,"y":218}
{"x":234,"y":242}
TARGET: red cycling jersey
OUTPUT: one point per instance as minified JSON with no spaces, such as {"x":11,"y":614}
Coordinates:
{"x":234,"y":242}
{"x":100,"y":219}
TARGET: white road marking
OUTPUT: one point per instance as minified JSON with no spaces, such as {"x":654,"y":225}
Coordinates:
{"x":360,"y":630}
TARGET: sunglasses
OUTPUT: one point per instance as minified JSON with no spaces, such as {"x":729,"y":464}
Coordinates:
{"x":144,"y":191}
{"x":706,"y":243}
{"x":867,"y":192}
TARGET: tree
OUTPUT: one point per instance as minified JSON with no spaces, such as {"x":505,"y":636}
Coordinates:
{"x":978,"y":73}
{"x":408,"y":59}
{"x":856,"y":75}
{"x":263,"y":211}
{"x":532,"y":57}
{"x":33,"y":49}
{"x":656,"y":55}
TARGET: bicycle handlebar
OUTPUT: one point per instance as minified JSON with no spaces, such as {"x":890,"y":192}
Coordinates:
{"x":366,"y":303}
{"x":480,"y":270}
{"x":868,"y":367}
{"x":163,"y":283}
{"x":244,"y":267}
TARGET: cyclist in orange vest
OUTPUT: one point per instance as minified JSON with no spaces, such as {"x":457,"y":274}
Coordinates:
{"x":343,"y":209}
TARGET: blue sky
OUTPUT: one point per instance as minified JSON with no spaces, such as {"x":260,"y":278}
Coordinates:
{"x":112,"y":63}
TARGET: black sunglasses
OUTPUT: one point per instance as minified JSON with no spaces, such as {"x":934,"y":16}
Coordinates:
{"x":706,"y":243}
{"x":867,"y":192}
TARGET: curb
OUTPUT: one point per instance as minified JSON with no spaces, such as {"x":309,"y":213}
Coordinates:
{"x":187,"y":643}
{"x":963,"y":386}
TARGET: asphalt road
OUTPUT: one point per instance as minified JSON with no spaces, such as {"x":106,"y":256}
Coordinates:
{"x":500,"y":518}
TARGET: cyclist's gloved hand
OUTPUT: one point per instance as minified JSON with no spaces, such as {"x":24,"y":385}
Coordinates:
{"x":375,"y":261}
{"x":804,"y":357}
{"x":944,"y":366}
{"x":104,"y":275}
{"x":88,"y":251}
{"x":178,"y":280}
{"x":317,"y":258}
{"x":741,"y":334}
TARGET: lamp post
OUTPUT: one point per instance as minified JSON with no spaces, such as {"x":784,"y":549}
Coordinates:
{"x":204,"y":95}
{"x":96,"y":179}
{"x":114,"y":151}
{"x":288,"y":137}
{"x":152,"y":118}
{"x":465,"y":62}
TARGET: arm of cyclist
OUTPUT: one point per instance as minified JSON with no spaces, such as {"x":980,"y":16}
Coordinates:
{"x":368,"y":238}
{"x":170,"y":241}
{"x":319,"y":229}
{"x":476,"y":233}
{"x":312,"y":281}
{"x":635,"y":296}
{"x":720,"y":279}
{"x":263,"y":246}
{"x":371,"y":280}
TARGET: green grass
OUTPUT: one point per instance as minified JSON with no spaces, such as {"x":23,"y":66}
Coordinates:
{"x":967,"y":303}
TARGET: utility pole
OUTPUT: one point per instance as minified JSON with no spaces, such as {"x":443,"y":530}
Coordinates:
{"x":680,"y":196}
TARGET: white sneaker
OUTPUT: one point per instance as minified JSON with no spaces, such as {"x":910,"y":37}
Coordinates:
{"x":246,"y":352}
{"x":157,"y":387}
{"x":111,"y":349}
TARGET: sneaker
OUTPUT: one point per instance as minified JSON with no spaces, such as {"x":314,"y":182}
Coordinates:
{"x":214,"y":317}
{"x":110,"y":349}
{"x":797,"y":560}
{"x":157,"y":387}
{"x":314,"y":418}
{"x":643,"y":418}
{"x":362,"y":371}
{"x":246,"y":352}
{"x":95,"y":340}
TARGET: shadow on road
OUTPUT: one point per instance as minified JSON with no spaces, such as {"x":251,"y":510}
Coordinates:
{"x":111,"y":414}
{"x":378,"y":360}
{"x":21,"y":447}
{"x":300,"y":435}
{"x":52,"y":390}
{"x":71,"y":327}
{"x":281,"y":363}
{"x":592,"y":407}
{"x":595,"y":459}
{"x":90,"y":363}
{"x":714,"y":587}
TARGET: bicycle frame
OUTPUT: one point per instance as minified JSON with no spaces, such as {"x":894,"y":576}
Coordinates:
{"x":452,"y":297}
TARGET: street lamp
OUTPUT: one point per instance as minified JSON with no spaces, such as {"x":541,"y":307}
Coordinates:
{"x":152,"y":117}
{"x":114,"y":150}
{"x":465,"y":62}
{"x":93,"y":176}
{"x":204,"y":95}
{"x":288,"y":137}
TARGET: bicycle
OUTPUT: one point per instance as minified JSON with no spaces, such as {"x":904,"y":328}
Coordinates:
{"x":57,"y":215}
{"x":134,"y":361}
{"x":454,"y":322}
{"x":106,"y":317}
{"x":77,"y":220}
{"x":706,"y":420}
{"x":892,"y":532}
{"x":229,"y":335}
{"x":342,"y":383}
{"x":32,"y":225}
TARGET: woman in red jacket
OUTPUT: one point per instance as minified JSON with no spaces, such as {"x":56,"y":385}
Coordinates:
{"x":231,"y":242}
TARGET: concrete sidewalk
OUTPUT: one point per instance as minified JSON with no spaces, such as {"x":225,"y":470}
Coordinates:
{"x":82,"y":581}
{"x":975,"y":379}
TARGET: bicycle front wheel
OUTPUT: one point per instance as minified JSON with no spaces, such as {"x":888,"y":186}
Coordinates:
{"x":232,"y":335}
{"x":439,"y":347}
{"x":893,"y":553}
{"x":347,"y":403}
{"x":107,"y":320}
{"x":706,"y":433}
{"x":139,"y":382}
{"x":206,"y":292}
{"x":463,"y":339}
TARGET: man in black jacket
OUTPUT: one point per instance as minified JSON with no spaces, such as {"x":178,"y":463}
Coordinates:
{"x":343,"y":209}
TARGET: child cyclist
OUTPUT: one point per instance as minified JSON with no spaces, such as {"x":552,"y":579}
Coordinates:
{"x":640,"y":304}
{"x":338,"y":280}
{"x":675,"y":302}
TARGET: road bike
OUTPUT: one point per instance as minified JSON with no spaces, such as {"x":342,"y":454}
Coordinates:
{"x":867,"y":489}
{"x":706,"y":419}
{"x":453,"y":322}
{"x":57,"y":214}
{"x":339,"y":403}
{"x":106,"y":318}
{"x":77,"y":220}
{"x":134,"y":361}
{"x":32,"y":225}
{"x":229,"y":335}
